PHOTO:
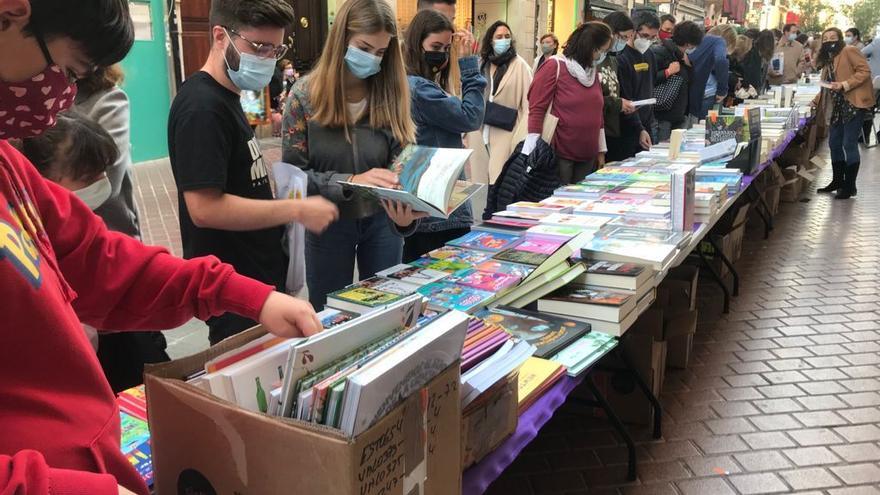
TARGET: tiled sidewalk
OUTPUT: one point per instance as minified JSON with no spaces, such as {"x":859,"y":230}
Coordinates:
{"x":783,"y":392}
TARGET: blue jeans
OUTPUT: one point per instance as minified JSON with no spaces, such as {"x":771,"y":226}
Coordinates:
{"x":330,"y":256}
{"x":843,"y":140}
{"x":708,"y":103}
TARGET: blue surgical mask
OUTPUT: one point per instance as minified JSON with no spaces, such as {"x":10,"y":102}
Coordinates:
{"x":691,"y":50}
{"x":598,"y":61}
{"x":792,"y":37}
{"x":362,"y":64}
{"x":253,"y":74}
{"x":618,"y":46}
{"x":501,"y":46}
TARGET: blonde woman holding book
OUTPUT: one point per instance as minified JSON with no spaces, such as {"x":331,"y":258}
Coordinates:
{"x":346,"y":122}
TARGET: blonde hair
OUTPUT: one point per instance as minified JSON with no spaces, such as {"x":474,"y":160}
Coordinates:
{"x":743,"y":47}
{"x":388,"y":98}
{"x":727,"y":32}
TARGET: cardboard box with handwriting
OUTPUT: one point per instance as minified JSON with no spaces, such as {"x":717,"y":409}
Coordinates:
{"x":205,"y":445}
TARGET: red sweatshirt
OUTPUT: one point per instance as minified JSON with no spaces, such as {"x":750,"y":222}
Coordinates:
{"x":580,"y":111}
{"x":59,"y":265}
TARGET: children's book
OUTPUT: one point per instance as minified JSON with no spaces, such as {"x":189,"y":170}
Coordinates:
{"x":359,"y":299}
{"x":553,"y":233}
{"x":429,"y":180}
{"x":486,"y":241}
{"x":522,"y":257}
{"x":488,"y":281}
{"x":413,"y":274}
{"x":333,"y":317}
{"x":390,"y":285}
{"x":547,"y":333}
{"x":531,"y":207}
{"x":495,"y":266}
{"x":459,"y":254}
{"x":454,"y":296}
{"x":539,"y":246}
{"x":585,"y":222}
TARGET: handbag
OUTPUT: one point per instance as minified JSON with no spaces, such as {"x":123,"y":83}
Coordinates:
{"x":667,"y":92}
{"x":548,"y":130}
{"x":500,"y":116}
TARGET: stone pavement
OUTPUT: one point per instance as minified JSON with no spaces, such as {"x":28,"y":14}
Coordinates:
{"x":783,"y":394}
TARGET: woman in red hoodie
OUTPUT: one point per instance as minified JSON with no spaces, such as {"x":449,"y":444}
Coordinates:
{"x":59,"y":265}
{"x":568,"y":87}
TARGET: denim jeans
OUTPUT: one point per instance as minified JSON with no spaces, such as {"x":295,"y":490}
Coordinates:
{"x":330,"y":256}
{"x":843,"y":139}
{"x":708,"y":103}
{"x":663,"y":129}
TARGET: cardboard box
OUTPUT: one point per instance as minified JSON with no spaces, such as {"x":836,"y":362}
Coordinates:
{"x":679,"y":330}
{"x":791,"y":190}
{"x":647,"y":352}
{"x":681,"y":283}
{"x":489,"y":420}
{"x":203,"y":444}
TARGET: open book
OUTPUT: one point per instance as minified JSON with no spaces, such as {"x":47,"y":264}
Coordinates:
{"x":428,"y":180}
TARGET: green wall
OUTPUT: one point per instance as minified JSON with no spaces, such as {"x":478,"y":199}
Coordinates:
{"x":147,"y":85}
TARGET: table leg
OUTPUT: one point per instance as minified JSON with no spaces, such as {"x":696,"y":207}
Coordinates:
{"x":727,"y":262}
{"x":765,"y":215}
{"x":617,"y":424}
{"x":649,"y":394}
{"x":718,"y":279}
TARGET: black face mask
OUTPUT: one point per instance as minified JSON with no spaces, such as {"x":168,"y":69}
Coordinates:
{"x":436,"y":60}
{"x":832,"y":47}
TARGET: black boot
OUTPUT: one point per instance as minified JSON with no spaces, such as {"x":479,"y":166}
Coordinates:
{"x":838,"y":170}
{"x":848,"y":189}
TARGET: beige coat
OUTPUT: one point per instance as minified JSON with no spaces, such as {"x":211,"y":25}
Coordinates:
{"x":793,"y":63}
{"x":513,"y":91}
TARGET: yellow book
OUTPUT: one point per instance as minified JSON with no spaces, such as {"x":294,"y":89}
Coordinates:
{"x":534,"y":376}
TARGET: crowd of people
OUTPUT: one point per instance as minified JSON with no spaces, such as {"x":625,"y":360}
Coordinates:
{"x":86,"y":297}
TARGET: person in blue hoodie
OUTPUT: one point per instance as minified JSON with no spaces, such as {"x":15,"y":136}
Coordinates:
{"x":707,"y":56}
{"x":441,"y":119}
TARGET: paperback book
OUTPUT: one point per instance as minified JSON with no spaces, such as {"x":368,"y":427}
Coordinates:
{"x":415,"y":275}
{"x":428,"y":180}
{"x":626,"y":276}
{"x":359,"y":299}
{"x":588,"y":302}
{"x":547,"y":333}
{"x":487,"y":281}
{"x":448,"y":295}
{"x":496,"y":266}
{"x":486,"y":241}
{"x":334,"y":317}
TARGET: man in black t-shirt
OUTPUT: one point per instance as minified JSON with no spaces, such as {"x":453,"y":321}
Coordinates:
{"x":225,"y":198}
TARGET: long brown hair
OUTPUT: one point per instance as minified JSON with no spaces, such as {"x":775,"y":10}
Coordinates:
{"x":424,"y":24}
{"x":388,"y":100}
{"x":102,"y":79}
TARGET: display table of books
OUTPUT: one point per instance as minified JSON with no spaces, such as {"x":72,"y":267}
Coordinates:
{"x":434,"y":367}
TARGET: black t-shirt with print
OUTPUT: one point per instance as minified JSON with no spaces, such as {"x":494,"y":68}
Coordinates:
{"x":212,"y":146}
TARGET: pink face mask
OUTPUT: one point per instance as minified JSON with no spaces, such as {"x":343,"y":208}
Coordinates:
{"x":28,"y":108}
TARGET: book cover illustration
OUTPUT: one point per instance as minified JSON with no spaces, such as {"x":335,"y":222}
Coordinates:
{"x":459,"y":255}
{"x":547,"y":333}
{"x":539,"y":246}
{"x":578,"y":221}
{"x":586,"y":295}
{"x":582,"y":191}
{"x":488,"y":281}
{"x":612,"y":268}
{"x":553,"y":231}
{"x":135,"y":445}
{"x":332,"y":317}
{"x":454,"y":296}
{"x":495,"y":266}
{"x":410,"y":274}
{"x":522,"y":257}
{"x":562,"y":201}
{"x":388,"y":285}
{"x":520,"y":215}
{"x":486,"y":241}
{"x":365,"y":296}
{"x":529,"y":206}
{"x":134,"y":402}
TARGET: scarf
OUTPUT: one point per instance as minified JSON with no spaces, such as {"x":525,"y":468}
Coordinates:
{"x":587,"y":77}
{"x":501,"y":63}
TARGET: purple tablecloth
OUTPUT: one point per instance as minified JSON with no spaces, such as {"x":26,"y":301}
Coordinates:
{"x":776,"y":153}
{"x":478,"y":477}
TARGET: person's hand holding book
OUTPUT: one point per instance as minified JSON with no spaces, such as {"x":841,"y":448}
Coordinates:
{"x":401,"y":214}
{"x":379,"y":177}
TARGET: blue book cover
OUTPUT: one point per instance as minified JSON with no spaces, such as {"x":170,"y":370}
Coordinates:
{"x":453,"y":296}
{"x":493,"y":242}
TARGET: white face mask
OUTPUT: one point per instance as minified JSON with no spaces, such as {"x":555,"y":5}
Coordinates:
{"x":848,"y":40}
{"x":642,"y":45}
{"x":95,"y":194}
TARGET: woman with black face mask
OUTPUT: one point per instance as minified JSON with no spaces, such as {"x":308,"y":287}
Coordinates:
{"x":440,"y":118}
{"x":846,"y":97}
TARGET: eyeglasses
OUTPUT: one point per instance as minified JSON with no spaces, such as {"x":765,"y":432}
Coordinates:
{"x":262,"y":50}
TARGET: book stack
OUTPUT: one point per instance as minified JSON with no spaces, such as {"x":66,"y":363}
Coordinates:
{"x":634,"y":246}
{"x":731,"y":177}
{"x":482,"y":340}
{"x":349,"y":377}
{"x":536,"y":376}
